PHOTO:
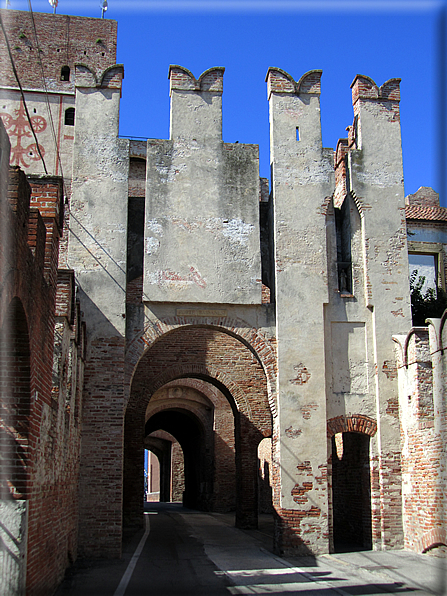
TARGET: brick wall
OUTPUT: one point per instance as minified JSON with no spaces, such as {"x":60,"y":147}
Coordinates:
{"x":178,"y":473}
{"x":101,"y":469}
{"x":422,"y":397}
{"x":63,"y":40}
{"x":40,"y":402}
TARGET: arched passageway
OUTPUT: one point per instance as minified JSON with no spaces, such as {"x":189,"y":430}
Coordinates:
{"x":204,"y":356}
{"x":186,"y":428}
{"x":351,"y":491}
{"x":152,"y":467}
{"x":170,"y":476}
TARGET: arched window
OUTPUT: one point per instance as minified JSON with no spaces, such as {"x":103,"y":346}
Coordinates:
{"x":69,"y":117}
{"x":65,"y":73}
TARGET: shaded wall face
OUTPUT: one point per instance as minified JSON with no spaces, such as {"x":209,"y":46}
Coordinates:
{"x":14,"y":448}
{"x":42,"y":391}
{"x":178,"y":474}
{"x":15,"y":391}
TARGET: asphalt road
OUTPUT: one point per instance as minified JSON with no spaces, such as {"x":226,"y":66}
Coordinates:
{"x":173,"y":562}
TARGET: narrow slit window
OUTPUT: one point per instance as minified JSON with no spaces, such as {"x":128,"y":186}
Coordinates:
{"x":69,"y":117}
{"x":343,"y":231}
{"x":65,"y":73}
{"x":297,"y":133}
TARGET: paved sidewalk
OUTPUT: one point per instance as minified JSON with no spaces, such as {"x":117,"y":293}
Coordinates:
{"x":254,"y":569}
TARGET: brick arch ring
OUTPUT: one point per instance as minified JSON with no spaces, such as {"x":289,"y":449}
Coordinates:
{"x":356,"y":423}
{"x":254,"y":340}
{"x":178,"y":371}
{"x":435,"y":537}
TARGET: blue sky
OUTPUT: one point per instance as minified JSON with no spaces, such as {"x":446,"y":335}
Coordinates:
{"x":394,"y":38}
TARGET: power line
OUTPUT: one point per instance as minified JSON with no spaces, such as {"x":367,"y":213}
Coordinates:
{"x":46,"y":90}
{"x":22,"y":93}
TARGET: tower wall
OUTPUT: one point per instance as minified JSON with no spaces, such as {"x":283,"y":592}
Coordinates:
{"x":366,"y":228}
{"x":303,"y":178}
{"x":97,"y":253}
{"x":202,"y":203}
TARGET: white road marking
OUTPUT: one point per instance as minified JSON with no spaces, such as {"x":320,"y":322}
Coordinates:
{"x":121,"y":589}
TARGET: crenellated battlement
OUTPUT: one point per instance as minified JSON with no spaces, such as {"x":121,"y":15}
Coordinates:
{"x":365,"y":90}
{"x":110,"y":78}
{"x":210,"y":80}
{"x":364,"y":87}
{"x":196,"y":104}
{"x":280,"y":81}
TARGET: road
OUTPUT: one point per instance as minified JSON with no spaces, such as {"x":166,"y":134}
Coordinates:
{"x":190,"y":553}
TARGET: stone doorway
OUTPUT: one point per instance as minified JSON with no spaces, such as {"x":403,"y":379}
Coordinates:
{"x":351,"y":492}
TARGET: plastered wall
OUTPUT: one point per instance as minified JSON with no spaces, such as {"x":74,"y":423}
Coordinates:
{"x":202,"y":203}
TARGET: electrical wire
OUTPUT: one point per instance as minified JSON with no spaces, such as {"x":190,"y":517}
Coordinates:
{"x":58,"y":157}
{"x":22,"y":94}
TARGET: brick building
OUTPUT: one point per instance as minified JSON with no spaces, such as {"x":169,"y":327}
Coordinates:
{"x":244,"y":335}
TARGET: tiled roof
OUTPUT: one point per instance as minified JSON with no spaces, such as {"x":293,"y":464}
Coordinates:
{"x":427,"y":213}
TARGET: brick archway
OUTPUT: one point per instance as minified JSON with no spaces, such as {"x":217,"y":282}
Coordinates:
{"x":211,"y":354}
{"x":216,"y":414}
{"x":355,"y":423}
{"x":200,"y":371}
{"x":433,"y":538}
{"x":253,"y":339}
{"x":352,"y":481}
{"x":224,"y":360}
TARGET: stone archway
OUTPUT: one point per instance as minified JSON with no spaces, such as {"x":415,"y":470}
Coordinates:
{"x":219,"y":358}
